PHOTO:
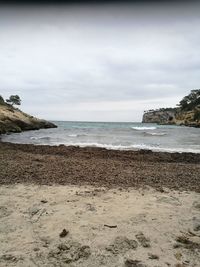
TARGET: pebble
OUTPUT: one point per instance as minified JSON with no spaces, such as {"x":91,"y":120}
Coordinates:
{"x":64,"y":233}
{"x":153,"y":256}
{"x":44,"y":201}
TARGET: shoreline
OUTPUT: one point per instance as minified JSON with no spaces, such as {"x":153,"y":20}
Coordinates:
{"x":69,"y":165}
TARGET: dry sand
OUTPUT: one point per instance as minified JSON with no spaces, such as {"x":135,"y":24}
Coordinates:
{"x":144,"y":224}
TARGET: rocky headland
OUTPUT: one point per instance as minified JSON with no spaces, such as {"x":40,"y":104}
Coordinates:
{"x":187,"y":113}
{"x":13,"y":120}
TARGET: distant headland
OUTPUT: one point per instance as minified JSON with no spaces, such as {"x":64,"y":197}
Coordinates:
{"x":186,"y":113}
{"x":13,"y":120}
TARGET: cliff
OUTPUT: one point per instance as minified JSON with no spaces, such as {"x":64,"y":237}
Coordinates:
{"x":173,"y":116}
{"x":187,"y":113}
{"x":161,"y":116}
{"x":14,"y":120}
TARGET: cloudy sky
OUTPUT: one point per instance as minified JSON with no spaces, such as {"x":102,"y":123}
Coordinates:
{"x":99,"y":62}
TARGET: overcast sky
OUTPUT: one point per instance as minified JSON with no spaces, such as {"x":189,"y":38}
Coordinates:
{"x":99,"y":62}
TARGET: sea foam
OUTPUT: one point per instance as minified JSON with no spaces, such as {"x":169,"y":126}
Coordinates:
{"x":143,"y":128}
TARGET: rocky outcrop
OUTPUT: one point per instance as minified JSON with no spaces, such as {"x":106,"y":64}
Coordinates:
{"x":173,"y":116}
{"x":159,"y":116}
{"x":189,"y":118}
{"x":15,"y":121}
{"x":187,"y":113}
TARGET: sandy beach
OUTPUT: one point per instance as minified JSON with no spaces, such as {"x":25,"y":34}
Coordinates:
{"x":69,"y":206}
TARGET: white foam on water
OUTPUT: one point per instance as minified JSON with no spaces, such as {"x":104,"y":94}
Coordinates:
{"x":72,"y":135}
{"x":155,"y":134}
{"x":144,"y":128}
{"x":33,"y":138}
{"x":133,"y":147}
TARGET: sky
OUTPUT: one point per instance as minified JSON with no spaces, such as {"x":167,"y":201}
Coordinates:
{"x":99,"y":62}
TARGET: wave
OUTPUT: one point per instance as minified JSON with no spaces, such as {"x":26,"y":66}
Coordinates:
{"x":134,"y":147}
{"x":144,"y":128}
{"x":77,"y":135}
{"x":155,"y":134}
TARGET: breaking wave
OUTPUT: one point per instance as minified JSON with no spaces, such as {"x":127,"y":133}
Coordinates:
{"x":144,"y":128}
{"x":135,"y":147}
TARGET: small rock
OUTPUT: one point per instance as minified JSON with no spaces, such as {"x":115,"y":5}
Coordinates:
{"x":145,"y":242}
{"x":110,"y":226}
{"x":64,"y":233}
{"x":161,"y":190}
{"x":153,"y":256}
{"x":133,"y":263}
{"x":44,"y":201}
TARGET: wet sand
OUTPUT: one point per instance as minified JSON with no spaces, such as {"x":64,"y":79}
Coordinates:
{"x":48,"y":165}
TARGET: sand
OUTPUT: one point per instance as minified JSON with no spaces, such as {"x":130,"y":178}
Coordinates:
{"x":89,"y":207}
{"x":104,"y":227}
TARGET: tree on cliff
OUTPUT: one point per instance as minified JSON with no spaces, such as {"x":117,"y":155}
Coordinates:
{"x":190,"y":101}
{"x":14,"y":100}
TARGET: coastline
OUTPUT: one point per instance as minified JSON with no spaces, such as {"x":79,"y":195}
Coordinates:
{"x":68,"y":165}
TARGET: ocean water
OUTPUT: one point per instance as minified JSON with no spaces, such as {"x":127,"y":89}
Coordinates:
{"x":114,"y":135}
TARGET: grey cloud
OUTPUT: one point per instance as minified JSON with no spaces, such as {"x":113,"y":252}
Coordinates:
{"x":76,"y":62}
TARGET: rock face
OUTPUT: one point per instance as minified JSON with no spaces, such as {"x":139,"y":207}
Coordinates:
{"x":15,"y":121}
{"x":161,"y":116}
{"x":172,"y":116}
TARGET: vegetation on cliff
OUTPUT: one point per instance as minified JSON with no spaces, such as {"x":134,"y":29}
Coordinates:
{"x":186,"y":113}
{"x":190,"y":101}
{"x":14,"y":120}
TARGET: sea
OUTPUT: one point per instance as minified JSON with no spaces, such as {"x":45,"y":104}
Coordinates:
{"x":114,"y":135}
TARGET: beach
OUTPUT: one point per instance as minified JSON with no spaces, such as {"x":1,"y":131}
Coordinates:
{"x":72,"y":206}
